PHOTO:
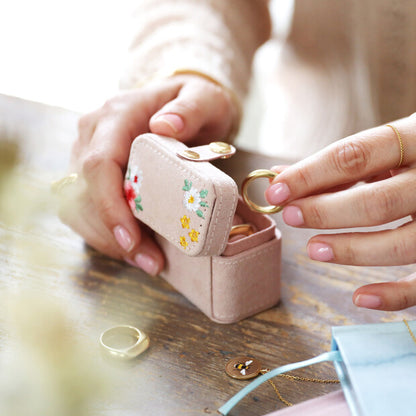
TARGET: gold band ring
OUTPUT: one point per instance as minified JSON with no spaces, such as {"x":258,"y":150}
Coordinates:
{"x":59,"y":185}
{"x":260,"y":173}
{"x":241,"y":229}
{"x":399,"y":138}
{"x":124,"y":342}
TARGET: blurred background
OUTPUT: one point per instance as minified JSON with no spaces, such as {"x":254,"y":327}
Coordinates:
{"x":71,"y":54}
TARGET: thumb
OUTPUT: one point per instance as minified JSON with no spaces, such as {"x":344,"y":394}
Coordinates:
{"x":388,"y":296}
{"x":200,"y":110}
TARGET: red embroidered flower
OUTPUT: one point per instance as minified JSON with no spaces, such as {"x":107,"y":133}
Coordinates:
{"x":130,"y":194}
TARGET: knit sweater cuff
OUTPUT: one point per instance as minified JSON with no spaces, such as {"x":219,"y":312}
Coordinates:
{"x":215,"y":37}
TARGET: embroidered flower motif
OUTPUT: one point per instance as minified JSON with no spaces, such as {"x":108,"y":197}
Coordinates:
{"x":136,"y":178}
{"x":193,"y":199}
{"x":130,"y":194}
{"x":185,"y":221}
{"x":194,"y":236}
{"x":132,"y":186}
{"x":183,"y":242}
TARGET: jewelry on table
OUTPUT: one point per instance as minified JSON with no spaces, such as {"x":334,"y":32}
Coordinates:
{"x":124,"y":342}
{"x":245,"y":368}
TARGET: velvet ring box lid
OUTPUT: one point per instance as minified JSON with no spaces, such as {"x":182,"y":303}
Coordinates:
{"x":190,"y":203}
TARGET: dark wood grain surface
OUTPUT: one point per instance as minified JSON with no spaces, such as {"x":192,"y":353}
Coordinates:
{"x":183,"y":370}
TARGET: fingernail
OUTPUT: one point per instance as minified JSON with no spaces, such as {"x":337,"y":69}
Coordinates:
{"x":279,"y":168}
{"x":368,"y":301}
{"x":409,"y":278}
{"x":123,"y":238}
{"x":146,"y":263}
{"x":293,"y":216}
{"x":174,"y":121}
{"x":277,"y":193}
{"x":320,"y":252}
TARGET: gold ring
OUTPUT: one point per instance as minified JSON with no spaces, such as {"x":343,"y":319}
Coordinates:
{"x":241,"y":229}
{"x":260,"y":173}
{"x":399,"y":138}
{"x":59,"y":185}
{"x":124,"y":342}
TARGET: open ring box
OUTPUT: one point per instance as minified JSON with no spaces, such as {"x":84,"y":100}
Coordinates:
{"x":191,"y":205}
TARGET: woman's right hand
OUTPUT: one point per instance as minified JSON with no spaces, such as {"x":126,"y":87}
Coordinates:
{"x":317,"y":193}
{"x":187,"y":107}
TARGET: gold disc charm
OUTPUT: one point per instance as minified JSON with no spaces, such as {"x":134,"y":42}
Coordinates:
{"x":259,"y":173}
{"x":243,"y":368}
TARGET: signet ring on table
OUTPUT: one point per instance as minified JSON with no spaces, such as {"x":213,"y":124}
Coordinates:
{"x":124,"y":342}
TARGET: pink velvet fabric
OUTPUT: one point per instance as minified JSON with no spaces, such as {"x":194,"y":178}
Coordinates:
{"x":263,"y":225}
{"x":243,"y":281}
{"x":191,"y":204}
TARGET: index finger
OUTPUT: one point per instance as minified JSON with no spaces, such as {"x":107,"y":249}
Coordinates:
{"x":354,"y":158}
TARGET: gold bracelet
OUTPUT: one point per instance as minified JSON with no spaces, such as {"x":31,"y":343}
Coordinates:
{"x":164,"y":74}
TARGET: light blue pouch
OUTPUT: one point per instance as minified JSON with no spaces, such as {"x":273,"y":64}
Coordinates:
{"x":375,"y":363}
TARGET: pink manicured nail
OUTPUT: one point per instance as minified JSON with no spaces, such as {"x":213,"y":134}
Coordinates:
{"x":320,"y":252}
{"x":293,"y":216}
{"x":409,"y":278}
{"x":277,"y":193}
{"x":123,"y":238}
{"x":368,"y":301}
{"x":146,"y":263}
{"x":174,"y":121}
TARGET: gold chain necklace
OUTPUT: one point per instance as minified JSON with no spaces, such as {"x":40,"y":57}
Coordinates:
{"x":317,"y":380}
{"x":248,"y":367}
{"x":244,"y":368}
{"x":410,"y":330}
{"x":296,"y":378}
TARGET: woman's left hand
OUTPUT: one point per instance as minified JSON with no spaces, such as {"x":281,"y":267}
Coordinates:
{"x":318,"y":193}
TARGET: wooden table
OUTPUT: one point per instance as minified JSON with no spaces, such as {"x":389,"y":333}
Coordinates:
{"x":183,"y":370}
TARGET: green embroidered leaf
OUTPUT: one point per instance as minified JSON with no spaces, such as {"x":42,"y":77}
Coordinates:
{"x":137,"y":202}
{"x":128,"y":174}
{"x":200,"y":214}
{"x":203,"y":204}
{"x":139,"y":207}
{"x":203,"y":193}
{"x":188,"y":185}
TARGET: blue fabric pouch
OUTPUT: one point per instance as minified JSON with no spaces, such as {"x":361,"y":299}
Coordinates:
{"x":376,"y":366}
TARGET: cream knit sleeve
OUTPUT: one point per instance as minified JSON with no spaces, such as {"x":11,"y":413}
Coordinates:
{"x":216,"y":37}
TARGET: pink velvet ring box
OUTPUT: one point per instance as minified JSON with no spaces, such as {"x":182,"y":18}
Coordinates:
{"x":191,"y":206}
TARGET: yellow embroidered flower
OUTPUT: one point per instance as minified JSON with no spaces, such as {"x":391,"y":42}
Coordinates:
{"x":194,"y":236}
{"x":183,"y":242}
{"x":185,"y":221}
